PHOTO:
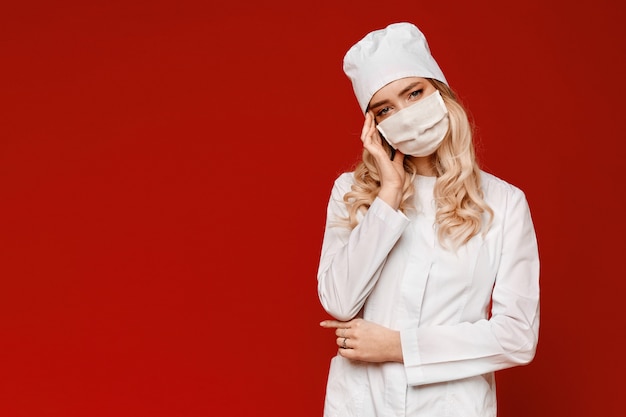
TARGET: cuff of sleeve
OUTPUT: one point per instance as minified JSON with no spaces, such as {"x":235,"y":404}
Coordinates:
{"x":411,"y":356}
{"x":386,"y":213}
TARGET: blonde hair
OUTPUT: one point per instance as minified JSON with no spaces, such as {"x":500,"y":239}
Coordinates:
{"x":458,"y":192}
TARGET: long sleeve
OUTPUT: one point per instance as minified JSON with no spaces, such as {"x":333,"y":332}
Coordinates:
{"x":351,"y":260}
{"x":509,"y":337}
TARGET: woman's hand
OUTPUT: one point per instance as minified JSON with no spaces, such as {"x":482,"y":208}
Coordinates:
{"x":362,"y":340}
{"x":391,"y":172}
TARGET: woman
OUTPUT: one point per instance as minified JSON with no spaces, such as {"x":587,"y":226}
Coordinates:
{"x":429,"y":265}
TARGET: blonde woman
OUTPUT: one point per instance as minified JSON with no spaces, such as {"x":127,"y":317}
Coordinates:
{"x":429,"y":265}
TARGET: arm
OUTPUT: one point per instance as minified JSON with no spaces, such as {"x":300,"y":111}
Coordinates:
{"x":351,"y":260}
{"x":509,"y":337}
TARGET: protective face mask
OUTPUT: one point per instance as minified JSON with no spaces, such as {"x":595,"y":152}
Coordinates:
{"x":417,"y":130}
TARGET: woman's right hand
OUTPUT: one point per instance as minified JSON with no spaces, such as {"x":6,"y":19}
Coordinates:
{"x":392,"y":174}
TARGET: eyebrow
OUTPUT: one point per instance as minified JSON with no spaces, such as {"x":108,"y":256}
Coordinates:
{"x":403,"y":92}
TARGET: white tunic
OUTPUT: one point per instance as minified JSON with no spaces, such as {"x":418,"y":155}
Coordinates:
{"x":461,"y":315}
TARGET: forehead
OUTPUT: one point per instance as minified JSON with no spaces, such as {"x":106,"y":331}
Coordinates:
{"x":397,"y":87}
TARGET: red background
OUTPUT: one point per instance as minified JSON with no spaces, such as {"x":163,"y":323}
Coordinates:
{"x":164,"y":173}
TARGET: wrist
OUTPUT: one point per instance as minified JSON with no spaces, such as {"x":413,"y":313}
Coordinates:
{"x":391,"y":195}
{"x":395,"y":348}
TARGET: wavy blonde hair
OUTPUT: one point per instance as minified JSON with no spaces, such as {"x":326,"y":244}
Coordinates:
{"x":458,"y":192}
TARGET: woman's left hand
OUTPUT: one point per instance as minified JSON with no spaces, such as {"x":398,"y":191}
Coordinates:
{"x":363,"y":340}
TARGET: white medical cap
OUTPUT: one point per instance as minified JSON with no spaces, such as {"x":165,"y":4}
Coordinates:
{"x":400,"y":50}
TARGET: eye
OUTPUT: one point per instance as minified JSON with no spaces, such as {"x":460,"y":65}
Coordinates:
{"x":383,"y":111}
{"x":415,"y":94}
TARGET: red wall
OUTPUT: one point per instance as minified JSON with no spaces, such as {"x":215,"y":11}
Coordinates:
{"x":164,"y":173}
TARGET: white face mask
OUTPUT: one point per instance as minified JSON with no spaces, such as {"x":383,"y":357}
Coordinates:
{"x":417,"y":130}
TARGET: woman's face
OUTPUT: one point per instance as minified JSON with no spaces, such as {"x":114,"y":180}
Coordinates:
{"x":398,"y":95}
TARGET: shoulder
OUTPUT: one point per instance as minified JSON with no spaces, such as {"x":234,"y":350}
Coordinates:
{"x":343,"y":183}
{"x":346,"y":178}
{"x":495,"y":187}
{"x":498,"y":191}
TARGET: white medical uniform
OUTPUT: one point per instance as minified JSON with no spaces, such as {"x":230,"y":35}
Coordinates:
{"x":461,"y":315}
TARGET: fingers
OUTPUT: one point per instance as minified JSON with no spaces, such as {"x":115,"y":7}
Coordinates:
{"x":347,"y":336}
{"x":373,"y":142}
{"x":343,"y":343}
{"x":366,"y":127}
{"x":335,"y":324}
{"x":343,"y":332}
{"x":369,"y":132}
